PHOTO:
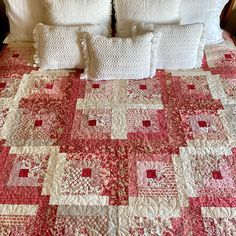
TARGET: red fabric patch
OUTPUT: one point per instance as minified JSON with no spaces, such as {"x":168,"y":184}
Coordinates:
{"x":146,"y":123}
{"x":96,"y":86}
{"x":38,"y":123}
{"x":87,"y":173}
{"x":16,"y":55}
{"x":143,"y":86}
{"x":191,"y":86}
{"x":24,"y":173}
{"x":202,"y":124}
{"x":3,"y":85}
{"x":217,"y":174}
{"x":151,"y":174}
{"x":49,"y":86}
{"x":228,"y":56}
{"x":92,"y":122}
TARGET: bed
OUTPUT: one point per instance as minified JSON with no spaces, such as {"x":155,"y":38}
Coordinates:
{"x":135,"y":157}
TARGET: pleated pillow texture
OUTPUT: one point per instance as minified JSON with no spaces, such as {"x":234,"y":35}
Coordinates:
{"x":180,"y":47}
{"x":207,"y":12}
{"x":148,"y":11}
{"x":75,"y":12}
{"x":58,"y":47}
{"x":23,"y":16}
{"x":119,"y":58}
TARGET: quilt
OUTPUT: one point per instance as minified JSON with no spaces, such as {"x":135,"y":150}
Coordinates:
{"x":151,"y":157}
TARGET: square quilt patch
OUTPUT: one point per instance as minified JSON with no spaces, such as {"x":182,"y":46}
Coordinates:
{"x":146,"y":123}
{"x":152,"y":175}
{"x":203,"y":127}
{"x":80,"y":179}
{"x":28,"y":170}
{"x":32,"y":128}
{"x":92,"y":124}
{"x":192,"y":86}
{"x":209,"y":171}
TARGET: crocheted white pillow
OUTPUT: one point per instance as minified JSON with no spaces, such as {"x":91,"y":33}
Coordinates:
{"x":149,"y":11}
{"x":75,"y":12}
{"x":23,"y":16}
{"x":180,"y":47}
{"x":119,"y":58}
{"x":207,"y":12}
{"x":58,"y":47}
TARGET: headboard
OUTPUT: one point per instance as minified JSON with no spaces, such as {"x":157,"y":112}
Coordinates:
{"x":224,"y":16}
{"x":4,"y":28}
{"x":226,"y":12}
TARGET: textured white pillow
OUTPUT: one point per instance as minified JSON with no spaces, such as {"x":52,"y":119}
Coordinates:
{"x":148,"y":11}
{"x":75,"y":12}
{"x":23,"y":16}
{"x":58,"y":47}
{"x":207,"y":12}
{"x":119,"y":58}
{"x":180,"y":47}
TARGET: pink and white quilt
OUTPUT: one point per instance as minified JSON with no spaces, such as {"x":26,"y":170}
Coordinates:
{"x":154,"y":157}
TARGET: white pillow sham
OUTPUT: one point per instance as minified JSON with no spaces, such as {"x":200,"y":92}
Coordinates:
{"x":207,"y":12}
{"x":23,"y":16}
{"x":149,"y":11}
{"x":58,"y":47}
{"x":75,"y":12}
{"x":119,"y":58}
{"x":180,"y":47}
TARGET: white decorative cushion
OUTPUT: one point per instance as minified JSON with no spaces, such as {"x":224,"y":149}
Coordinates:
{"x":58,"y":47}
{"x":148,"y":11}
{"x":23,"y":16}
{"x":207,"y":12}
{"x":180,"y":47}
{"x":119,"y":58}
{"x":75,"y":12}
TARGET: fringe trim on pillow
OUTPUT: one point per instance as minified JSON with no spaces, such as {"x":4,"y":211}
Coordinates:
{"x":155,"y":41}
{"x":36,"y":46}
{"x":134,"y":29}
{"x":105,"y":31}
{"x":200,"y":53}
{"x":85,"y":56}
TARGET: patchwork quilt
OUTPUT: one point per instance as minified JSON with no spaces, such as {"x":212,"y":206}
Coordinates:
{"x":153,"y":157}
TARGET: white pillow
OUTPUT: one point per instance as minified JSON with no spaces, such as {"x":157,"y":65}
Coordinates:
{"x":58,"y":47}
{"x":207,"y":12}
{"x":180,"y":47}
{"x":119,"y":58}
{"x":149,"y":11}
{"x":75,"y":12}
{"x":23,"y":16}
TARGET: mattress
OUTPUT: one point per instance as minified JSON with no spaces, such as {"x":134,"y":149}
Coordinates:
{"x":139,"y":157}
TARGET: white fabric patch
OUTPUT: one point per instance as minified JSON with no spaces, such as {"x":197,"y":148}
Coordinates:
{"x":75,"y":12}
{"x":180,"y":47}
{"x":58,"y":47}
{"x":206,"y":12}
{"x":148,"y":11}
{"x":18,"y":210}
{"x":23,"y":16}
{"x":119,"y":58}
